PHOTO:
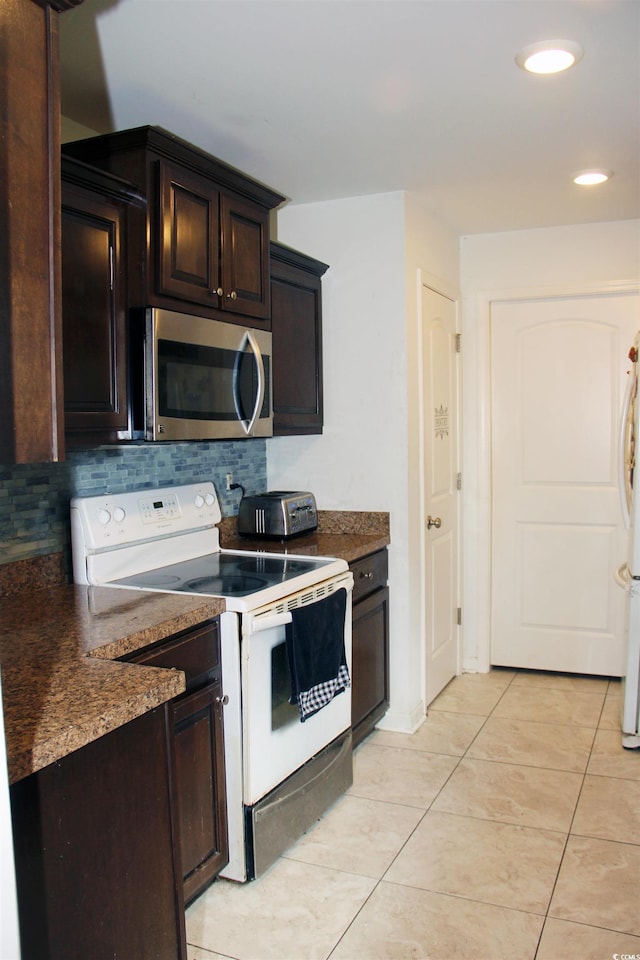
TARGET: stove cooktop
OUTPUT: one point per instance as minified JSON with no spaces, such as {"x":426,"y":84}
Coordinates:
{"x":226,"y":574}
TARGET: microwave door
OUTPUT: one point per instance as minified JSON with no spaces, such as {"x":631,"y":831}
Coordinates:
{"x":248,"y":343}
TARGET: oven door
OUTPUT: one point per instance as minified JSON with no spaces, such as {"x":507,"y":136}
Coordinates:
{"x":205,"y":380}
{"x":276,"y":743}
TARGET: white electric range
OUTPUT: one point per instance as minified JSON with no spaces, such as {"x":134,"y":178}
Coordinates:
{"x":167,"y":540}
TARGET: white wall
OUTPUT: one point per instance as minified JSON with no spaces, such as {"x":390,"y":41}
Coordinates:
{"x":526,"y":263}
{"x":366,"y":457}
{"x":70,"y":130}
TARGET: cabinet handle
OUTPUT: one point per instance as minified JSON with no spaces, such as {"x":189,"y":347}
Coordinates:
{"x":224,"y":700}
{"x":218,"y":292}
{"x":232,"y":296}
{"x":366,"y":576}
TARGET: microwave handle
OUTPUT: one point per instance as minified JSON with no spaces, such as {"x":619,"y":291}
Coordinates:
{"x":250,"y":340}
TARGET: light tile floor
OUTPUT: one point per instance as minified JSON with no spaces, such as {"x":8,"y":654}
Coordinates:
{"x":507,"y":826}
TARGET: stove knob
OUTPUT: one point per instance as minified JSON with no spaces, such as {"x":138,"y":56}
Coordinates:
{"x":104,"y":517}
{"x":210,"y":499}
{"x":118,"y":514}
{"x":199,"y":501}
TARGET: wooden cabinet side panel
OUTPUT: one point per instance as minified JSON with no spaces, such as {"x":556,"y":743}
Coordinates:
{"x":30,"y":317}
{"x":95,"y":863}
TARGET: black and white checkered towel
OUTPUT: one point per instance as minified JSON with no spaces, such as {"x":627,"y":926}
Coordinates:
{"x":316,"y":652}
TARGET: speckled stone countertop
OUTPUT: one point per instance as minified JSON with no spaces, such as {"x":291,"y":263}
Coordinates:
{"x":58,"y":643}
{"x":349,"y":535}
{"x":61,"y":687}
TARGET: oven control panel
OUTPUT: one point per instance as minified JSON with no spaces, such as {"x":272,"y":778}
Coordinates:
{"x":159,"y":508}
{"x":114,"y":520}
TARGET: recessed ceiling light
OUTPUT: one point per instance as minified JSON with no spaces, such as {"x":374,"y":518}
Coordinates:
{"x":589,"y":178}
{"x":549,"y":56}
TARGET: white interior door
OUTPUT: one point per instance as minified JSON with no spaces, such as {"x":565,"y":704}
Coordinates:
{"x":440,"y":494}
{"x":557,"y":381}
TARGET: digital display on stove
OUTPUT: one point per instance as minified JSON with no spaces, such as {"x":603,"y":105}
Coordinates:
{"x":152,"y":510}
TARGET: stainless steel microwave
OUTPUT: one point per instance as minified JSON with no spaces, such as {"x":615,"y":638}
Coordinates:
{"x":201,"y":379}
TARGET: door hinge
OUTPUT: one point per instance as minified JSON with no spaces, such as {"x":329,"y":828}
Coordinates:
{"x":458,"y":481}
{"x":459,"y":616}
{"x":458,"y":342}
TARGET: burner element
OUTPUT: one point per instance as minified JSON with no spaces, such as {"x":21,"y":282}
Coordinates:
{"x":160,"y":579}
{"x":225,"y":585}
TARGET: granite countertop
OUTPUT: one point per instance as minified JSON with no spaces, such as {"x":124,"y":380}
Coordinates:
{"x":61,"y":687}
{"x":59,"y":644}
{"x":349,"y":535}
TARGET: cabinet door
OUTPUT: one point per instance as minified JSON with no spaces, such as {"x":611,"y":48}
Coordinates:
{"x":296,"y":327}
{"x":188,"y":236}
{"x":94,"y":318}
{"x":200,"y":786}
{"x":200,"y":803}
{"x":369,"y":681}
{"x":245,"y":258}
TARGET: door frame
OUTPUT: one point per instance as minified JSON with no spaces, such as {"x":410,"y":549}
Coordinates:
{"x":424,"y":279}
{"x":478,"y":493}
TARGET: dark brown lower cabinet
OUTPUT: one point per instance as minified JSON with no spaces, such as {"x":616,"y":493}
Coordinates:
{"x":370,"y":626}
{"x":96,"y":860}
{"x":199,"y":801}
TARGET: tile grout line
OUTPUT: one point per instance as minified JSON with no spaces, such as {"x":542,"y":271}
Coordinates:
{"x":380,"y":880}
{"x":457,"y":759}
{"x":569,"y":834}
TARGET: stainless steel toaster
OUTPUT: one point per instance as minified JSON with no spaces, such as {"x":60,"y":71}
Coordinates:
{"x":278,"y":513}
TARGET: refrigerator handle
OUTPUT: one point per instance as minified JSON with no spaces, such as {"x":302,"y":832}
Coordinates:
{"x":622,"y":576}
{"x":624,"y":483}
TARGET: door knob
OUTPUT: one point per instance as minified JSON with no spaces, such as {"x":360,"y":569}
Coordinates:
{"x":224,"y":700}
{"x":434,"y":522}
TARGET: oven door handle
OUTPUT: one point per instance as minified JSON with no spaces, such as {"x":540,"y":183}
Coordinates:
{"x":251,"y":624}
{"x":249,"y":340}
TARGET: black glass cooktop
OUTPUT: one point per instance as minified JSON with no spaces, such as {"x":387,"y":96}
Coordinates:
{"x":224,"y":574}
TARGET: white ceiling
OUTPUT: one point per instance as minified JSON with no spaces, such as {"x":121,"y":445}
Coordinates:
{"x":323,"y":99}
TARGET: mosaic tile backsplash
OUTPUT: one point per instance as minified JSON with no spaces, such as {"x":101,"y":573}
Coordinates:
{"x":34,"y":498}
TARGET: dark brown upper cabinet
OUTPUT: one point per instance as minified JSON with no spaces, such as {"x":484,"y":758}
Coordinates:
{"x":96,"y":209}
{"x":296,"y":327}
{"x":202,"y":246}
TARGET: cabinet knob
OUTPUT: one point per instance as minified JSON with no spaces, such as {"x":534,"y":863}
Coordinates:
{"x":218,"y":292}
{"x":224,"y":700}
{"x":367,"y":576}
{"x":431,"y":522}
{"x":232,"y":296}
